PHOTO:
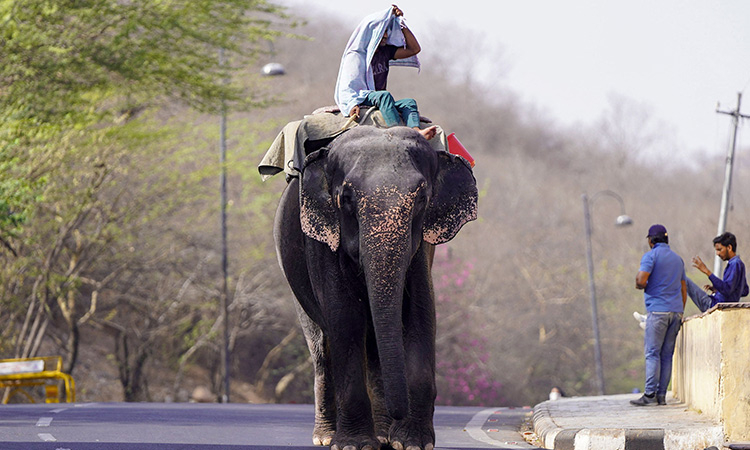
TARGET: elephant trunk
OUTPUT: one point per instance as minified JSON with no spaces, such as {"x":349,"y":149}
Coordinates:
{"x":385,"y":257}
{"x":386,"y":312}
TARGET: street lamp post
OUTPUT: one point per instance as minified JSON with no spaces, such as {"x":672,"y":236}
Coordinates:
{"x":622,"y":220}
{"x":224,"y":301}
{"x":271,"y":69}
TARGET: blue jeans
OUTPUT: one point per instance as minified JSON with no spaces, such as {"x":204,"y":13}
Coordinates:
{"x":394,"y":111}
{"x":661,"y":336}
{"x":702,"y":300}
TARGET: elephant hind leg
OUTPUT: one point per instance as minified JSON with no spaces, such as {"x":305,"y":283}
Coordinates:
{"x":325,"y":402}
{"x":325,"y":409}
{"x":291,"y":250}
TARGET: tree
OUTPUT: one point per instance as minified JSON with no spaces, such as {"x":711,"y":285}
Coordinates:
{"x":73,"y":69}
{"x":78,"y":85}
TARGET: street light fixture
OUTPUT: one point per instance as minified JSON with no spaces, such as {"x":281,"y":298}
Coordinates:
{"x":272,"y":69}
{"x":621,"y":221}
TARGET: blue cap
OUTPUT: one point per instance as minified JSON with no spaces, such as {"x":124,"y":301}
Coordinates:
{"x":656,"y":230}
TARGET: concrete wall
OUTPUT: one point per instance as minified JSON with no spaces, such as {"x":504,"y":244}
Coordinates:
{"x":711,"y":371}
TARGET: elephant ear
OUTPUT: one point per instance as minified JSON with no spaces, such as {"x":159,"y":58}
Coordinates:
{"x":454,"y":199}
{"x":317,"y":214}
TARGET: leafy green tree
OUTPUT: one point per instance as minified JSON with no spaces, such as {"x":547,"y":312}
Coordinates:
{"x":83,"y":91}
{"x":73,"y":68}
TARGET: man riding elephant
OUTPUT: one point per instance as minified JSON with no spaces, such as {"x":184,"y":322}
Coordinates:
{"x":363,"y":75}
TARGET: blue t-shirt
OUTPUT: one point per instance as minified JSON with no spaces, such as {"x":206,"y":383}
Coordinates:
{"x":663,"y":291}
{"x":734,"y":284}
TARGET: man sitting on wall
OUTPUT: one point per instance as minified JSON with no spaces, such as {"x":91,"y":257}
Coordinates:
{"x":727,"y":290}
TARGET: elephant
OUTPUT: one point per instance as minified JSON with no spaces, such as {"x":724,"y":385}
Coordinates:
{"x":355,"y":237}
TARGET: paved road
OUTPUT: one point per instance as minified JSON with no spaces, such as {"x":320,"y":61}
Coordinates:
{"x":191,"y":426}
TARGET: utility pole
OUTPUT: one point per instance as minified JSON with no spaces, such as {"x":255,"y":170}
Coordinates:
{"x":736,"y":115}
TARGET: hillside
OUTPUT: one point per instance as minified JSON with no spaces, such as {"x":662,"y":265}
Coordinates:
{"x":513,"y":308}
{"x":527,"y":297}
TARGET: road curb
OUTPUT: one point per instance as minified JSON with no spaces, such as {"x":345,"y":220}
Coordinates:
{"x":553,"y":436}
{"x":557,"y":438}
{"x":544,"y":427}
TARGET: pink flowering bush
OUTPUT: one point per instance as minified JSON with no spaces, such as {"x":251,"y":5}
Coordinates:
{"x":463,"y":374}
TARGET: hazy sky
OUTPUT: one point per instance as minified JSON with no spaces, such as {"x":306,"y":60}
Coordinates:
{"x":677,"y":58}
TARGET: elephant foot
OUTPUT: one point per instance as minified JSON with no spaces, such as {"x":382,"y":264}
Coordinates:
{"x":412,"y":435}
{"x":354,"y":443}
{"x":324,"y":441}
{"x":382,"y":426}
{"x":323,"y":434}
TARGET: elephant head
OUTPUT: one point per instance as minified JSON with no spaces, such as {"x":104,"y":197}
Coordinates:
{"x":373,"y":197}
{"x":452,"y":187}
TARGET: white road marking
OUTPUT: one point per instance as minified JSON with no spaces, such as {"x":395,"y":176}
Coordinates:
{"x":46,"y":437}
{"x":44,"y":421}
{"x":474,"y":427}
{"x":476,"y":431}
{"x":55,"y":411}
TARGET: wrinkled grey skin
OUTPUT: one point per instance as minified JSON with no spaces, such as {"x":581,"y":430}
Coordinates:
{"x":355,"y":239}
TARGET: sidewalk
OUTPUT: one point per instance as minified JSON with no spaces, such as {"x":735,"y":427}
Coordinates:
{"x":610,"y":422}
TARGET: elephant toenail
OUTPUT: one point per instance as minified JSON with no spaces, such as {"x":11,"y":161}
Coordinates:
{"x":397,"y":445}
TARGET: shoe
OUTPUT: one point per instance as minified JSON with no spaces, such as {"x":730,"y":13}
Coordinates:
{"x":641,"y":319}
{"x":644,"y":401}
{"x":661,"y":399}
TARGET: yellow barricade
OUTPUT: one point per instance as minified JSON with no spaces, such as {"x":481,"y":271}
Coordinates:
{"x":20,"y":373}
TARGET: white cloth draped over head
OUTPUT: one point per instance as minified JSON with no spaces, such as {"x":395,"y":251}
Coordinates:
{"x":355,"y":78}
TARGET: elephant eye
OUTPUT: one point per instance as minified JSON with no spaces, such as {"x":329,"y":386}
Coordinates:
{"x":346,"y":201}
{"x":421,"y":198}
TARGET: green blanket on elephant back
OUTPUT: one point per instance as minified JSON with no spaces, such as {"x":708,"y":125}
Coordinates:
{"x":301,"y":137}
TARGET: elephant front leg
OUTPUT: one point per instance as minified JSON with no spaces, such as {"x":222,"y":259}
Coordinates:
{"x":354,"y":422}
{"x":417,"y":430}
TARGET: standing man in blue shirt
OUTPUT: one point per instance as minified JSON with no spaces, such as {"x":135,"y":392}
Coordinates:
{"x":734,"y":284}
{"x":662,"y":278}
